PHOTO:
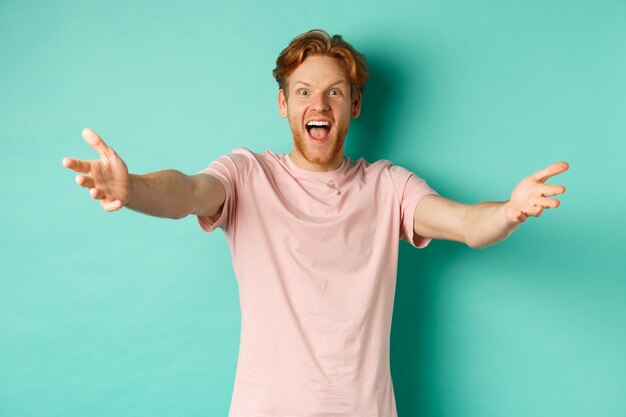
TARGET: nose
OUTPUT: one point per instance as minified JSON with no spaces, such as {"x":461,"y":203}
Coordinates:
{"x":319,"y":102}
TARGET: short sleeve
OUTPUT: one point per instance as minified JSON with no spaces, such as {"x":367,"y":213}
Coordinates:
{"x":410,"y":190}
{"x":231,"y":170}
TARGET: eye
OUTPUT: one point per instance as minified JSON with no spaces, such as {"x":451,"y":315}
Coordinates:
{"x":303,"y":92}
{"x":334,"y":92}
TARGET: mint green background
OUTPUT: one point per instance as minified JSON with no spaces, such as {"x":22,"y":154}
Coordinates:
{"x":126,"y":315}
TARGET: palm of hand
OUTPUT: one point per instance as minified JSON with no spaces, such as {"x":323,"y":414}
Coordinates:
{"x":106,"y":178}
{"x":530,"y":196}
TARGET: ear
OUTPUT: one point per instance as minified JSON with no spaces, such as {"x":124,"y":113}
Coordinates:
{"x":356,"y":107}
{"x":282,"y":103}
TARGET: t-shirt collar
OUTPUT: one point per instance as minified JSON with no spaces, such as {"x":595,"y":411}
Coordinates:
{"x":320,"y":175}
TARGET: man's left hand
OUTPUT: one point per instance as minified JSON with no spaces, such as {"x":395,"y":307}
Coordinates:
{"x":530,"y":196}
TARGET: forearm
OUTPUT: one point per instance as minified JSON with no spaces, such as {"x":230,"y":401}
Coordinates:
{"x":486,"y":224}
{"x":167,"y":193}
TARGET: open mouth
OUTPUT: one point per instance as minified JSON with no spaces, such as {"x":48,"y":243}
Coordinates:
{"x":318,"y":129}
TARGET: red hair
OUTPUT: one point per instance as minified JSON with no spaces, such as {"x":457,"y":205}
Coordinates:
{"x":318,"y":42}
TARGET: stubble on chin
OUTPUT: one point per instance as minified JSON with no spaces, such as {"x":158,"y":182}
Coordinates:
{"x":299,"y":140}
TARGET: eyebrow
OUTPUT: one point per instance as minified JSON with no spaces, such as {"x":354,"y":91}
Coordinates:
{"x":308,"y":85}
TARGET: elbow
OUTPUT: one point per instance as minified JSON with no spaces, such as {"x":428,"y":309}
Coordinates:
{"x":475,"y":242}
{"x":470,"y":241}
{"x":179,"y":212}
{"x":472,"y":244}
{"x":480,"y":244}
{"x":475,"y":245}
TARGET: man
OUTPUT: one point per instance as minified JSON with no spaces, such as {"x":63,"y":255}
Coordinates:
{"x":314,"y":238}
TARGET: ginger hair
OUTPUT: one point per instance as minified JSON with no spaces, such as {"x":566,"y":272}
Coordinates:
{"x":319,"y":42}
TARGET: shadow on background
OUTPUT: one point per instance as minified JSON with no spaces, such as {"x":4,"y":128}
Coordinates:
{"x":414,"y":329}
{"x":369,"y":135}
{"x":415,"y":308}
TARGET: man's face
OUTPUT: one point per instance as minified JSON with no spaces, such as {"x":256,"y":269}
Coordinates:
{"x":319,"y":110}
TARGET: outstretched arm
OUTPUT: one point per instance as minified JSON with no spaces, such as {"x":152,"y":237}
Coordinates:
{"x":484,"y":224}
{"x":166,"y":193}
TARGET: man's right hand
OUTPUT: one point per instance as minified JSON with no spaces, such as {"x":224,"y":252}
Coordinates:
{"x":106,"y":178}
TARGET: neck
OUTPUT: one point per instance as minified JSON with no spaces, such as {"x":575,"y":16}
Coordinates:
{"x":301,"y":162}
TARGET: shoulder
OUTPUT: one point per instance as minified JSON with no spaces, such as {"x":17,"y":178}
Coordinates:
{"x":240,"y":157}
{"x":241,"y":154}
{"x":401,"y":179}
{"x":245,"y":163}
{"x":382,"y":168}
{"x":237,"y":164}
{"x":255,"y":158}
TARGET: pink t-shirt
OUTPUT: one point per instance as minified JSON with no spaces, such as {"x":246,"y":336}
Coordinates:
{"x":315,"y":258}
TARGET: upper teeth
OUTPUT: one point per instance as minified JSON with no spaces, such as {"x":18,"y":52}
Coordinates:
{"x":317,"y":123}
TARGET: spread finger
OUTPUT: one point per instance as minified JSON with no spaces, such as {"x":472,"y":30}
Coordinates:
{"x":77,"y":165}
{"x":84,"y":181}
